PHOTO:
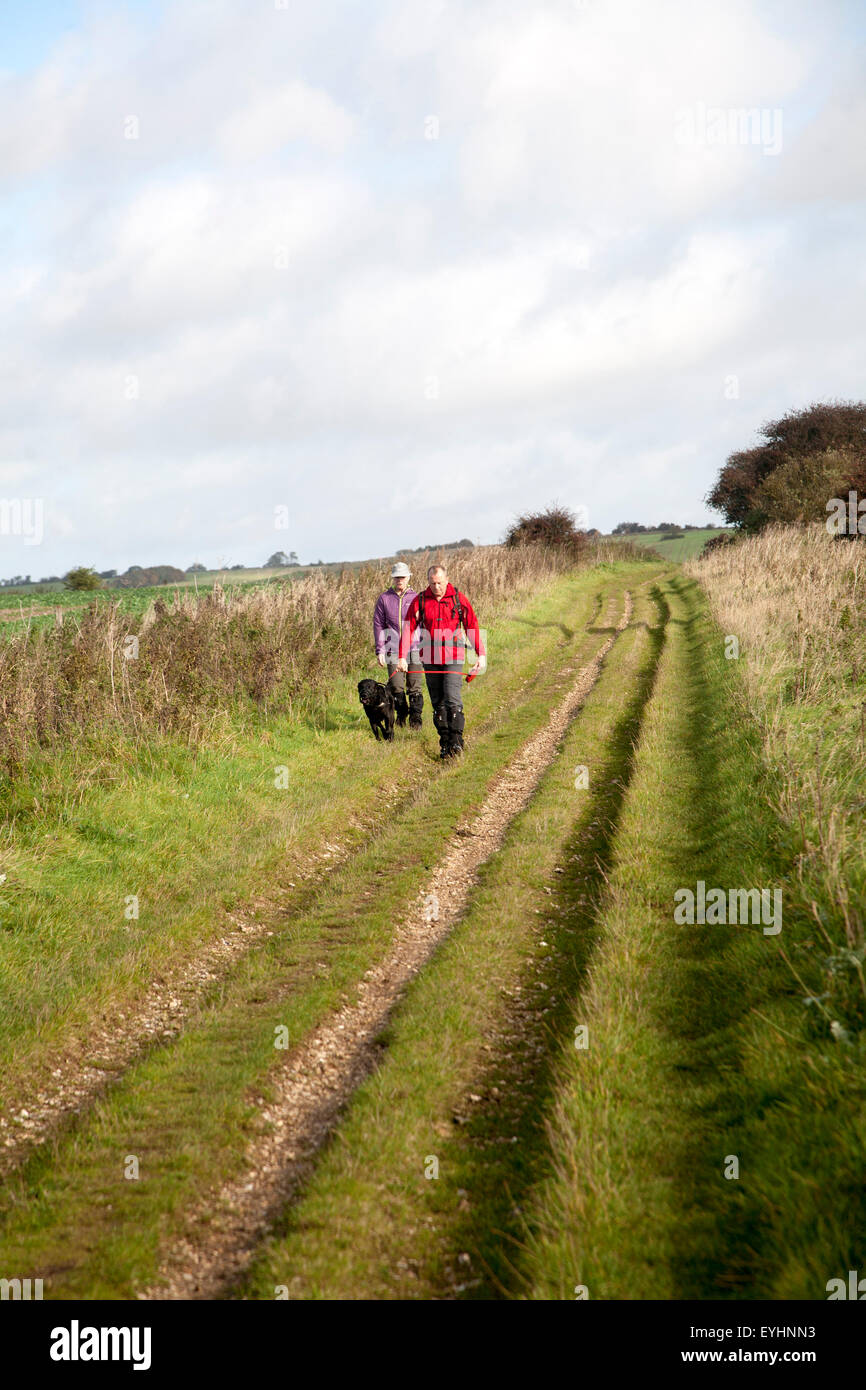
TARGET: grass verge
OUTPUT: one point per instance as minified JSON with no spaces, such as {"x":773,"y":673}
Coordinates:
{"x":705,"y":1147}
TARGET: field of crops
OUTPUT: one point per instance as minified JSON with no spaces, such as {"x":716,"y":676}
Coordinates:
{"x":39,"y":607}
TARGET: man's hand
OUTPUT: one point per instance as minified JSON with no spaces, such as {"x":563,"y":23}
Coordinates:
{"x":402,"y":664}
{"x":476,"y":668}
{"x":382,"y":659}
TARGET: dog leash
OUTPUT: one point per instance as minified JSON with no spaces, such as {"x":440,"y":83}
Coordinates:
{"x":470,"y":675}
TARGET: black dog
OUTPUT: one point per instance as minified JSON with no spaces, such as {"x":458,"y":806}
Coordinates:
{"x":378,"y":701}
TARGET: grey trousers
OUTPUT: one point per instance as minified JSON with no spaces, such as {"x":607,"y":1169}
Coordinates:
{"x":398,"y":679}
{"x":445,"y":689}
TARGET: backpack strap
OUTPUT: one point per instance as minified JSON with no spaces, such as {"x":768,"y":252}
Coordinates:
{"x":459,"y":609}
{"x":460,"y":618}
{"x":420,"y":623}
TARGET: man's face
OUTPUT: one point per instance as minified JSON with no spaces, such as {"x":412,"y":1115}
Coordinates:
{"x":400,"y":583}
{"x":438,"y":583}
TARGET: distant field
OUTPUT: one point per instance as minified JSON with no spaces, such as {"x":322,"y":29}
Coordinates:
{"x":38,"y":604}
{"x":56,"y":591}
{"x":686,"y":547}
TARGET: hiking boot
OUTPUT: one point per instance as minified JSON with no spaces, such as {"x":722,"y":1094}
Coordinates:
{"x":456,"y":724}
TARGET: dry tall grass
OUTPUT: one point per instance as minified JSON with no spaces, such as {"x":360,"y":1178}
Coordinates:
{"x":796,"y":599}
{"x":277,"y":648}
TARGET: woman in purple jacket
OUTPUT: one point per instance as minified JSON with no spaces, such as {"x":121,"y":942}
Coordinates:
{"x":389,"y":620}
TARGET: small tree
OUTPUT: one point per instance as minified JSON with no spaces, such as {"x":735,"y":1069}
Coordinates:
{"x":277,"y":561}
{"x":84,"y":577}
{"x":793,"y":443}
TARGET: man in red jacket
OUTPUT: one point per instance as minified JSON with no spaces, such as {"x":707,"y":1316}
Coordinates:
{"x":437,"y":614}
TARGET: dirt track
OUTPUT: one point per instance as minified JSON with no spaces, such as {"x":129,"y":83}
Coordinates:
{"x":321,"y":1074}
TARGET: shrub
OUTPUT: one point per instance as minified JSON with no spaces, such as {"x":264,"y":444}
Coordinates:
{"x":555,"y":527}
{"x":716,"y":543}
{"x":82,"y":578}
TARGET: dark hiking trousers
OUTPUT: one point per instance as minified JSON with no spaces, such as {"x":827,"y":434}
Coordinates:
{"x":398,"y":681}
{"x":445,"y":688}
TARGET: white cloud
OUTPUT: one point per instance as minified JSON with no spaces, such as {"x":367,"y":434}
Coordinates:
{"x":293,"y":111}
{"x":543,"y":302}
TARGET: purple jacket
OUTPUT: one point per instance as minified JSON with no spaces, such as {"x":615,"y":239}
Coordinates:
{"x":390,"y":609}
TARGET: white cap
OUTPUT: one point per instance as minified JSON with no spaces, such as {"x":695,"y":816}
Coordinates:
{"x":400,"y":571}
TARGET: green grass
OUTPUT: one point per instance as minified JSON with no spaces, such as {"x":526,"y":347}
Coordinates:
{"x":94,"y":1235}
{"x":698,"y":1050}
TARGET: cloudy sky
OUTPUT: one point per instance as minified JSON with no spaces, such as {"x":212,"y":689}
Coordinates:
{"x":399,"y":270}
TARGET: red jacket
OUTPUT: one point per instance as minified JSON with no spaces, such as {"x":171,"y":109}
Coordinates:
{"x":440,"y":644}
